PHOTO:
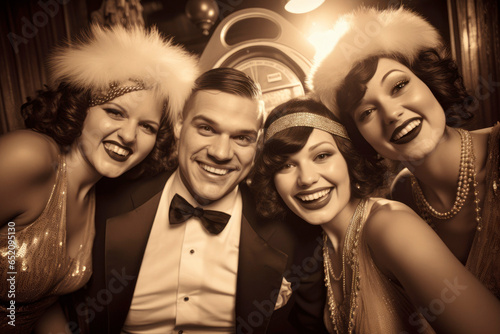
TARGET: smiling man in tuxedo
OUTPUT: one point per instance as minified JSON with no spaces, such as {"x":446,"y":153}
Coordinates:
{"x":184,"y":252}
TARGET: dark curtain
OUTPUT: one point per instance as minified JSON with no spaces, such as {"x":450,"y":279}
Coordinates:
{"x":475,"y":39}
{"x":30,"y":30}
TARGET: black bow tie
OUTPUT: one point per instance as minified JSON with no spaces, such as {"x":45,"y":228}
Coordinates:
{"x":180,"y":211}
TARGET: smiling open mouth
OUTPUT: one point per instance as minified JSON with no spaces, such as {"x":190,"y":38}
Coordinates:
{"x":407,"y":131}
{"x":116,"y":151}
{"x":314,"y":196}
{"x":213,"y":170}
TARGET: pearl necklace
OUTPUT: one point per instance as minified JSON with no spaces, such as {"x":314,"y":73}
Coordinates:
{"x":337,"y":315}
{"x":466,"y":175}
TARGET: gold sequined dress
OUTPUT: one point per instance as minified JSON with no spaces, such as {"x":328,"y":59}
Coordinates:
{"x":484,"y":256}
{"x":42,"y":270}
{"x":381,"y":305}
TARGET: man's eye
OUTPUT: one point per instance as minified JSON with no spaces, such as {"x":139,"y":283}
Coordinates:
{"x":245,"y":139}
{"x":205,"y":129}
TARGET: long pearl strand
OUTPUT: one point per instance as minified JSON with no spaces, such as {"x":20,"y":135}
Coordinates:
{"x":467,"y":175}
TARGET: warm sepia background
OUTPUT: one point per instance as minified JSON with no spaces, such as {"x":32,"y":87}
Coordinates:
{"x":30,"y":29}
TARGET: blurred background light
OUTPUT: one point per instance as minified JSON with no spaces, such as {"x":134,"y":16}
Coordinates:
{"x":302,"y":6}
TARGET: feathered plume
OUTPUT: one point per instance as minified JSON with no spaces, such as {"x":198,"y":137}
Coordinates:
{"x":117,"y":54}
{"x":365,"y":33}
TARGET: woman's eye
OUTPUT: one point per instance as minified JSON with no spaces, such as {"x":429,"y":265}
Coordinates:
{"x":113,"y":112}
{"x":323,"y":156}
{"x":364,"y":114}
{"x":399,"y":85}
{"x":149,"y":129}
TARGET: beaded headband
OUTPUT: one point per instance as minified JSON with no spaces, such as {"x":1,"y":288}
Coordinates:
{"x":309,"y":120}
{"x":115,"y":91}
{"x":104,"y":60}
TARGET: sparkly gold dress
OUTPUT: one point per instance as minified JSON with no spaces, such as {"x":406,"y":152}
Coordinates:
{"x":484,"y":256}
{"x":41,"y":270}
{"x":381,"y":305}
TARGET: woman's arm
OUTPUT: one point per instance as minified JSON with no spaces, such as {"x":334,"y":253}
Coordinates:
{"x":444,"y":291}
{"x":53,"y":321}
{"x":28,"y":167}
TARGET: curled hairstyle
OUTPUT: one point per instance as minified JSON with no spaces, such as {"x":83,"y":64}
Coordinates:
{"x":60,"y":114}
{"x":439,"y":73}
{"x":276,"y":151}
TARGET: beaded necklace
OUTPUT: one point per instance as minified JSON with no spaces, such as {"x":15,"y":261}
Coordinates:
{"x":466,"y":176}
{"x":340,"y":320}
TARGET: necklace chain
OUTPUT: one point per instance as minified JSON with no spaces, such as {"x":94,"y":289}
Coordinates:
{"x":339,"y":318}
{"x":466,"y":176}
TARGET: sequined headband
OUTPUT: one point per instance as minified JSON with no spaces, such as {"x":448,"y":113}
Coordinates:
{"x":308,"y":120}
{"x":114,"y":92}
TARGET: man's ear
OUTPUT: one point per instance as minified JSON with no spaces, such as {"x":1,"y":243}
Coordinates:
{"x":178,"y":127}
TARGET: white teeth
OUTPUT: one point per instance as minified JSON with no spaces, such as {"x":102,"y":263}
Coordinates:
{"x":407,"y":129}
{"x":218,"y":171}
{"x":116,"y":149}
{"x":314,"y":196}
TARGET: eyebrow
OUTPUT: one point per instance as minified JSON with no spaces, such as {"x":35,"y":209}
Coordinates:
{"x":387,"y":74}
{"x":312,"y":148}
{"x":119,"y":107}
{"x":211,"y":122}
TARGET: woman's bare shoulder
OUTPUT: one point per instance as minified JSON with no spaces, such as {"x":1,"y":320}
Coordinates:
{"x":391,"y":223}
{"x":26,"y":151}
{"x":27,"y":173}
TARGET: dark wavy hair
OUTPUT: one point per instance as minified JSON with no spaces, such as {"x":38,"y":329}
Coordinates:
{"x":365,"y":175}
{"x":60,"y":114}
{"x":436,"y":69}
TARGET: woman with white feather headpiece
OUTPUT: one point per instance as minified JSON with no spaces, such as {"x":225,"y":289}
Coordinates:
{"x":390,"y":81}
{"x":114,"y":96}
{"x":401,"y":96}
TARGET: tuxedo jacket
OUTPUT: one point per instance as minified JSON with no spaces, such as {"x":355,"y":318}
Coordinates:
{"x":268,"y":251}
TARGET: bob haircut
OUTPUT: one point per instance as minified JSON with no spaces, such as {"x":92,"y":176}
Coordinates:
{"x":439,"y":73}
{"x":60,"y":114}
{"x":365,"y":174}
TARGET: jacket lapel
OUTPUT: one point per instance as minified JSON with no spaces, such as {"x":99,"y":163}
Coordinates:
{"x":126,"y":238}
{"x":260,"y":271}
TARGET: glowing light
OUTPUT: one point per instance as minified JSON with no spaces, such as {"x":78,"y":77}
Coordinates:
{"x":324,"y":39}
{"x":302,"y":6}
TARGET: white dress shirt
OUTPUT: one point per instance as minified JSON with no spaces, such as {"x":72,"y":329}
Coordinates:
{"x":187,"y":280}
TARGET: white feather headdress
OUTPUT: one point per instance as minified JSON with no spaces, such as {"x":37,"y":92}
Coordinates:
{"x":116,"y":55}
{"x":364,"y":33}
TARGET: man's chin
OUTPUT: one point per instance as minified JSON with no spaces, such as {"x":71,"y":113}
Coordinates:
{"x":207,"y":196}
